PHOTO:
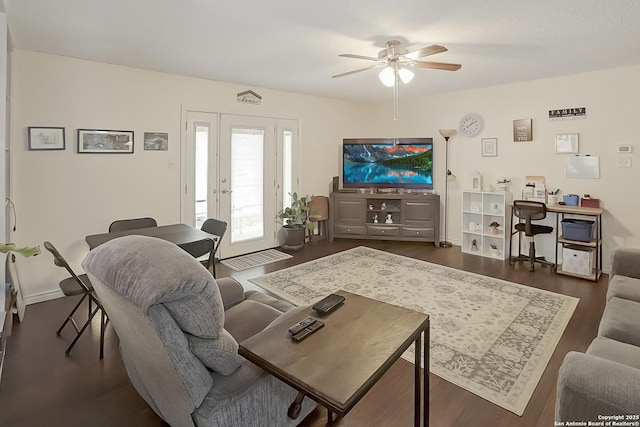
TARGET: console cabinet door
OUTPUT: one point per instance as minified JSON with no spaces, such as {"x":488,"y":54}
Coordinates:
{"x":418,"y":213}
{"x":350,"y":211}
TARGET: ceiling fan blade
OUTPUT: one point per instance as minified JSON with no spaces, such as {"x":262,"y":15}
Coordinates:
{"x":437,"y":65}
{"x":425,"y":51}
{"x":357,"y":71}
{"x":350,"y":55}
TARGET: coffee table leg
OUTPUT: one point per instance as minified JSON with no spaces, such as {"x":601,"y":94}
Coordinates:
{"x":329,"y":416}
{"x":416,"y":381}
{"x":425,"y":373}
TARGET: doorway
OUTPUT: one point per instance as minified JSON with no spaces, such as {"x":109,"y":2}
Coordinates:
{"x":239,"y":169}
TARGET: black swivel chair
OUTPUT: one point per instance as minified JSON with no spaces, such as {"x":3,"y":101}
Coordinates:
{"x":527,"y":211}
{"x":78,"y":285}
{"x":132,"y":224}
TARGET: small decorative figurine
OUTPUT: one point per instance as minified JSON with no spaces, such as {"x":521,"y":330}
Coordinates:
{"x":375,"y":218}
{"x":474,"y":245}
{"x":383,"y":206}
{"x":389,"y":220}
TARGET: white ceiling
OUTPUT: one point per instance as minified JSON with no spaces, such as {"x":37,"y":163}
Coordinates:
{"x":294,"y":45}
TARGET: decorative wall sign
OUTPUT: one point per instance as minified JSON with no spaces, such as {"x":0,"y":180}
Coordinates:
{"x":105,"y":141}
{"x":523,"y":130}
{"x":489,"y":147}
{"x":156,"y":141}
{"x":568,"y":113}
{"x":567,"y":143}
{"x":46,"y":138}
{"x":249,"y":97}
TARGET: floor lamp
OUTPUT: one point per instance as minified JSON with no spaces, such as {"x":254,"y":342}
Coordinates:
{"x":446,"y":134}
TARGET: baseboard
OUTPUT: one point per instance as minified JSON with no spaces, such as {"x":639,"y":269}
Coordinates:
{"x":43,"y":296}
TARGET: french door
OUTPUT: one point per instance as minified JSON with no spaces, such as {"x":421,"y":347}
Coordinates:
{"x":237,"y":169}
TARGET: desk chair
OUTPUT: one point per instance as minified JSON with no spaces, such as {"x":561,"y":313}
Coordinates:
{"x":529,"y":211}
{"x":132,"y":224}
{"x":216,"y":228}
{"x":78,"y":285}
{"x":318,"y":213}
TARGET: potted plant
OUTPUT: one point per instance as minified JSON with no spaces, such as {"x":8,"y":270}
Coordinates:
{"x":503,"y":184}
{"x":296,"y":222}
{"x":494,"y":227}
{"x":493,"y":249}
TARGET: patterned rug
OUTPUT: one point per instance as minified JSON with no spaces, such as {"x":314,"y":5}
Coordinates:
{"x":489,"y":336}
{"x":245,"y":262}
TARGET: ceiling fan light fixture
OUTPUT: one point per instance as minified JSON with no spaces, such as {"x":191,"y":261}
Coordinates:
{"x":405,"y":74}
{"x":387,"y":76}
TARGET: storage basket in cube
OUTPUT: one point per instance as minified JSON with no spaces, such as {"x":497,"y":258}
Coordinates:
{"x":577,"y":260}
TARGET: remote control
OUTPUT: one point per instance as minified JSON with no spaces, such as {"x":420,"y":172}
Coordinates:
{"x":328,"y":304}
{"x":308,"y":330}
{"x":301,"y":325}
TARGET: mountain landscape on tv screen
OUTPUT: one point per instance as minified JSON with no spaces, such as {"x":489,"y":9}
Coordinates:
{"x":391,"y":165}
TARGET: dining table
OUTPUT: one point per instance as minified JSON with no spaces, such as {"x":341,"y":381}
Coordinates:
{"x":175,"y":233}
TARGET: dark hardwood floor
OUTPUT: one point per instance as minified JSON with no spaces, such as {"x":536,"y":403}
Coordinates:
{"x":40,"y":386}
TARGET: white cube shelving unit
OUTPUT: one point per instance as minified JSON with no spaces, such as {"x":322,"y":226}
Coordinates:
{"x":479,"y":209}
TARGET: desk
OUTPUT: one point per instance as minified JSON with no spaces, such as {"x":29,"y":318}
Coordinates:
{"x":594,"y":245}
{"x":175,"y":233}
{"x":339,"y":363}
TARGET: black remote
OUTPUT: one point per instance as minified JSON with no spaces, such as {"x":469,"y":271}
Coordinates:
{"x":308,"y":330}
{"x":328,"y":304}
{"x":301,"y":325}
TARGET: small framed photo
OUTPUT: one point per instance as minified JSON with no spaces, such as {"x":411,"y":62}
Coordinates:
{"x":105,"y":141}
{"x":156,"y":141}
{"x":46,"y":138}
{"x":523,"y":130}
{"x":567,"y":143}
{"x":489,"y":147}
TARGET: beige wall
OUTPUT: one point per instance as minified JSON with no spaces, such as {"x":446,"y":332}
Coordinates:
{"x":63,"y":196}
{"x":611,"y":98}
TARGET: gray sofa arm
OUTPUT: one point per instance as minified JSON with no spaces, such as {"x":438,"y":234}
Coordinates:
{"x":589,"y":387}
{"x":626,"y":262}
{"x":231,"y":292}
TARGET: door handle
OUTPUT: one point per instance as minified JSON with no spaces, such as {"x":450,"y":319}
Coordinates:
{"x":227,"y":191}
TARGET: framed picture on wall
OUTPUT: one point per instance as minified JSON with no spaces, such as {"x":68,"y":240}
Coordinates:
{"x":522,"y":130}
{"x":46,"y":138}
{"x":156,"y":141}
{"x":105,"y":141}
{"x":567,"y":143}
{"x":489,"y":147}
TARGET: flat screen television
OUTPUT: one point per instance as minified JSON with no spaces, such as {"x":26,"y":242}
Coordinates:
{"x":379,"y":163}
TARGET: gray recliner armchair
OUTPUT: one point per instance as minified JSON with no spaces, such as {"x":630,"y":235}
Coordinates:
{"x":179,"y":330}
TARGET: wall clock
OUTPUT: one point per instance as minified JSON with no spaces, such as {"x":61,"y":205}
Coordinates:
{"x":471,"y":124}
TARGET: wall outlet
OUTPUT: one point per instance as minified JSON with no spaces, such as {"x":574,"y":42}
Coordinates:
{"x":624,"y":163}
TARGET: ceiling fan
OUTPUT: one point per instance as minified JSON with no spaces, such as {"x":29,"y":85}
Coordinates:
{"x":397,"y":61}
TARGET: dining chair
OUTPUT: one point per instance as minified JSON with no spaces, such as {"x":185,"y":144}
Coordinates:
{"x":132,"y":224}
{"x":200,"y":248}
{"x":78,"y":285}
{"x":216,"y":228}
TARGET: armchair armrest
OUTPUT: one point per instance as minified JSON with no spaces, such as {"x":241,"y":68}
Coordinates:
{"x":589,"y":386}
{"x":231,"y":292}
{"x":626,"y":262}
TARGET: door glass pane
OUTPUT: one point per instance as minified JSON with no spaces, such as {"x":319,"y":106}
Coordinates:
{"x":287,"y":167}
{"x":247,"y":204}
{"x":201,"y":172}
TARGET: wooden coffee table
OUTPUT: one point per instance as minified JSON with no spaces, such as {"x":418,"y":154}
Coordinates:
{"x":339,"y":363}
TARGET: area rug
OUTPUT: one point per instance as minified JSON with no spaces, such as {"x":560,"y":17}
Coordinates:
{"x":491,"y":337}
{"x":256,"y":259}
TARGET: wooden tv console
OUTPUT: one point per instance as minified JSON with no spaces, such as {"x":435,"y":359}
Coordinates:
{"x":414,"y":216}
